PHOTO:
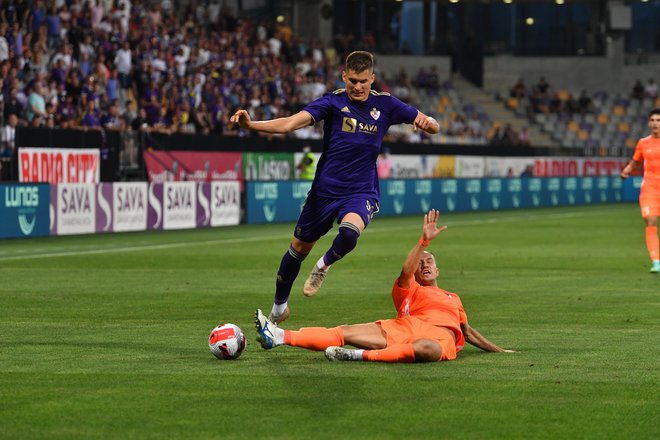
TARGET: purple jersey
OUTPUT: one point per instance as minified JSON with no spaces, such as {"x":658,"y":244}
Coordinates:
{"x":352,"y":136}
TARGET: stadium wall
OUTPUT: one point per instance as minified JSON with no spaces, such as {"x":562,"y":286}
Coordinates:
{"x":392,"y":64}
{"x":111,"y":146}
{"x":570,"y":73}
{"x":501,"y":72}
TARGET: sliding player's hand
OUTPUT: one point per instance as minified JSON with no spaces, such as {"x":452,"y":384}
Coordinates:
{"x":242,"y":118}
{"x":431,"y":229}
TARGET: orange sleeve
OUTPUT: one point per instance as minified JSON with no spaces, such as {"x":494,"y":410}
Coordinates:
{"x":639,"y":152}
{"x":462,"y":316}
{"x":399,"y":293}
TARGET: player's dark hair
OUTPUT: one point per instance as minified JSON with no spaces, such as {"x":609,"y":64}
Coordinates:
{"x":655,"y":111}
{"x":359,"y":61}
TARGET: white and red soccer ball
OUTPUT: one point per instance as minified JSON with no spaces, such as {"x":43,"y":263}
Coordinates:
{"x":227,"y":341}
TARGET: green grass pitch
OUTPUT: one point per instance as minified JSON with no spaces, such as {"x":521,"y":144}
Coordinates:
{"x":105,"y":336}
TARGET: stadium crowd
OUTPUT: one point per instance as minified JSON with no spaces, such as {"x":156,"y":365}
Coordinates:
{"x":95,"y":64}
{"x":121,"y":64}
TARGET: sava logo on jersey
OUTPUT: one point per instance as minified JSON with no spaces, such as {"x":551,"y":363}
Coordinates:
{"x":351,"y":125}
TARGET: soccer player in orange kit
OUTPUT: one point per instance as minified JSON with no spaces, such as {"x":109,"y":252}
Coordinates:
{"x":431,"y":324}
{"x":647,"y":154}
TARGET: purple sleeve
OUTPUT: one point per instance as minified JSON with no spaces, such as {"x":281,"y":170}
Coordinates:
{"x":319,"y":107}
{"x":401,"y":113}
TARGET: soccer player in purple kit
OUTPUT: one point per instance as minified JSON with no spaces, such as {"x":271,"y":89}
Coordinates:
{"x":345,"y":187}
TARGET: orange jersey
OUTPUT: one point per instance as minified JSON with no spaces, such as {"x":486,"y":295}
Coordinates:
{"x":433,"y":305}
{"x":648,"y":151}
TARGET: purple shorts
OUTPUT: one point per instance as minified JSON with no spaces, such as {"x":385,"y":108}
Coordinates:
{"x":319,"y":214}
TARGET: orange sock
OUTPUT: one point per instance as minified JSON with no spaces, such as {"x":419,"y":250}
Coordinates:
{"x":652,"y":242}
{"x":314,"y":338}
{"x":393,"y":353}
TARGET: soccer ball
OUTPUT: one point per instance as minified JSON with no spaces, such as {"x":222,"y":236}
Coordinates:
{"x":227,"y":341}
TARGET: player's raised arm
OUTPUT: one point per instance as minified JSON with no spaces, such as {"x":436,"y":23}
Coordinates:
{"x":430,"y":230}
{"x":478,"y":340}
{"x":426,"y":123}
{"x":276,"y":126}
{"x":629,"y":168}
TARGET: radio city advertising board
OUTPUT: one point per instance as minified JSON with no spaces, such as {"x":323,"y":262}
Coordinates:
{"x":59,"y":165}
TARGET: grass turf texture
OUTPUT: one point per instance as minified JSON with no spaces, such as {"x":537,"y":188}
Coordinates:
{"x":105,"y":336}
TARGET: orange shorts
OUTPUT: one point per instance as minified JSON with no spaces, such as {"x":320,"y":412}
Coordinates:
{"x":408,"y":329}
{"x":649,"y":198}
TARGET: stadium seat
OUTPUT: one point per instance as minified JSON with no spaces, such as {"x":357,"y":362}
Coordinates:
{"x":623,"y":127}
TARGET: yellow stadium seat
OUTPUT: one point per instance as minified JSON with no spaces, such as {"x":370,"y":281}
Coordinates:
{"x":624,"y":127}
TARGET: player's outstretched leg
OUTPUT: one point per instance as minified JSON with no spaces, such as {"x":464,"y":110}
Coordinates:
{"x":343,"y":354}
{"x":344,"y":242}
{"x":393,"y":353}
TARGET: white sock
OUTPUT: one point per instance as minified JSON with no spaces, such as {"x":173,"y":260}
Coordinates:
{"x":278,"y":309}
{"x":321,"y":265}
{"x":279,"y":336}
{"x":358,"y":354}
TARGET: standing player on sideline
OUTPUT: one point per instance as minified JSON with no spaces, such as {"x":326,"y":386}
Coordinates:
{"x":345,"y":187}
{"x":431,"y":324}
{"x":647,"y":155}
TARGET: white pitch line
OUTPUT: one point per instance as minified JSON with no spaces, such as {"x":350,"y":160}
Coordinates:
{"x":372,"y":230}
{"x":138,"y":248}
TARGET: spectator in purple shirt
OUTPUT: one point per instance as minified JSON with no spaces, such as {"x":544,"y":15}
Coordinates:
{"x":58,"y":73}
{"x":111,"y":120}
{"x":112,"y":85}
{"x":37,"y":15}
{"x":91,"y":117}
{"x":66,"y":109}
{"x":54,"y":25}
